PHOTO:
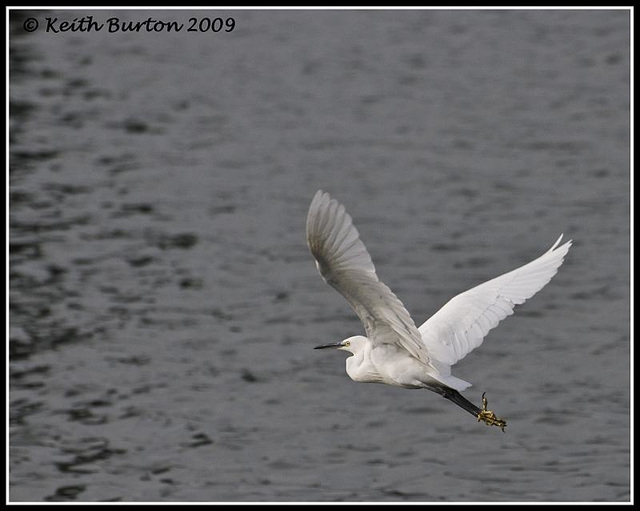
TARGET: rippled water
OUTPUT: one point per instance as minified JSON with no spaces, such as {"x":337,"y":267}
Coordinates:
{"x":163,"y":304}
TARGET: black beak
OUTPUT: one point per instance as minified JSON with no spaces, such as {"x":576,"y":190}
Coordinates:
{"x":329,"y":345}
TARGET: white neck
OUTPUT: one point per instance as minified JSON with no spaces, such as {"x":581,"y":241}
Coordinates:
{"x":360,"y":368}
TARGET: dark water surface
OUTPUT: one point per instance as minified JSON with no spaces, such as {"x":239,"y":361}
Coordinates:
{"x":163,"y":304}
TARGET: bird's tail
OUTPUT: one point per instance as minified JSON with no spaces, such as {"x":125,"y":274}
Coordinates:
{"x":444,"y":375}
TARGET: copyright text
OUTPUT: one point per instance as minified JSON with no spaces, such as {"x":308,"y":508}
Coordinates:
{"x":113,"y":25}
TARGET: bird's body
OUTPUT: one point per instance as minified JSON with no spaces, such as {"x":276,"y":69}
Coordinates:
{"x":386,"y":363}
{"x":395,"y":351}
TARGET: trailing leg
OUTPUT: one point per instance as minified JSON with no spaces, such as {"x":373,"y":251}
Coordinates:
{"x":457,"y":398}
{"x":484,"y":415}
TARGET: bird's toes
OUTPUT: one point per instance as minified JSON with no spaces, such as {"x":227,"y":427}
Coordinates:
{"x":490,"y":418}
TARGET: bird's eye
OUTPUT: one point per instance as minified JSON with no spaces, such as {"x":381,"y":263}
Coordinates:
{"x":347,"y":343}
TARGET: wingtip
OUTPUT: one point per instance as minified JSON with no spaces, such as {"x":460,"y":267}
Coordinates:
{"x":560,"y":251}
{"x":557,"y":243}
{"x":320,"y":196}
{"x":318,"y":204}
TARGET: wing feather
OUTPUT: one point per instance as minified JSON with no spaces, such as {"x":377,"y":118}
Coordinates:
{"x":345,"y":264}
{"x":462,"y":323}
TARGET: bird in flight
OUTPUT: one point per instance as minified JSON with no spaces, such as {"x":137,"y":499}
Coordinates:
{"x":395,"y":351}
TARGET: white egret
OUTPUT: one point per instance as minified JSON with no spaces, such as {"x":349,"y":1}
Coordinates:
{"x":395,"y":351}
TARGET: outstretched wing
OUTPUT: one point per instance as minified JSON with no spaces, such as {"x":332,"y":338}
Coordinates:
{"x":461,"y":325}
{"x":345,"y":264}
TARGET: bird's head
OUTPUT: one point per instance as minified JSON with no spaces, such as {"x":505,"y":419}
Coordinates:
{"x":353,"y":344}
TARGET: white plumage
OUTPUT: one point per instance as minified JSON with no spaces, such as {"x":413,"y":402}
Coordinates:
{"x":425,"y":354}
{"x":461,"y":324}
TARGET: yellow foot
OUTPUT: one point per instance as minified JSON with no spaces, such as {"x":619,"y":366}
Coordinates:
{"x":488,"y":417}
